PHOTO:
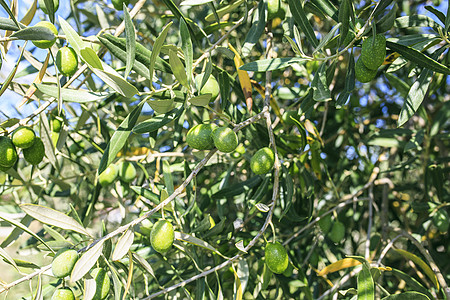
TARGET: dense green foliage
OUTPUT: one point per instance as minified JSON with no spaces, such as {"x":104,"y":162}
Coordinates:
{"x":227,"y":149}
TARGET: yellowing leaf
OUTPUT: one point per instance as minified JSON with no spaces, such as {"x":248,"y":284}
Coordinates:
{"x":418,"y":261}
{"x":237,"y":286}
{"x":38,"y":79}
{"x":339,"y":265}
{"x":29,"y":15}
{"x":244,"y":79}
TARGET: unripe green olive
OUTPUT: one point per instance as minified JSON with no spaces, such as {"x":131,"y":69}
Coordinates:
{"x":23,"y":137}
{"x":162,"y":236}
{"x":34,"y":154}
{"x":199,"y":137}
{"x":109,"y":175}
{"x":45,"y":44}
{"x":102,"y":282}
{"x":276,"y":257}
{"x":8,"y":153}
{"x":63,"y":262}
{"x":262,"y":161}
{"x":67,"y":61}
{"x":225,"y":139}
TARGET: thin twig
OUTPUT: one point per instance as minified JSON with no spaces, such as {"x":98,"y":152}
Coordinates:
{"x":369,"y":226}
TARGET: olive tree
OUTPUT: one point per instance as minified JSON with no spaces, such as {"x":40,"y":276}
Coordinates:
{"x":205,"y":149}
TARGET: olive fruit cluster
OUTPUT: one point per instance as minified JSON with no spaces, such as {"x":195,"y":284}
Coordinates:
{"x":373,"y":53}
{"x":206,"y":136}
{"x":334,"y":230}
{"x":125,"y":170}
{"x":63,"y":264}
{"x":66,"y":58}
{"x":23,"y":137}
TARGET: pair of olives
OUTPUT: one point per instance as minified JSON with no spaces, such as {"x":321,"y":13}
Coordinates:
{"x":206,"y":136}
{"x":125,"y":170}
{"x":334,"y":230}
{"x":66,"y":58}
{"x":373,"y":53}
{"x":63,"y":264}
{"x":25,"y":138}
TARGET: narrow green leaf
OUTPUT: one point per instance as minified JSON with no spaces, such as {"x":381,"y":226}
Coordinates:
{"x":8,"y":24}
{"x":23,"y":227}
{"x":418,"y":261}
{"x":411,"y":282}
{"x":327,"y":8}
{"x":146,"y":193}
{"x":293,"y":45}
{"x":72,"y":36}
{"x":12,"y":73}
{"x":91,"y":58}
{"x":386,"y":23}
{"x":157,"y":122}
{"x":381,"y":6}
{"x":436,"y":12}
{"x":415,"y":96}
{"x":319,"y":84}
{"x":224,"y":87}
{"x":131,"y":40}
{"x":157,"y":48}
{"x":407,"y":296}
{"x":300,"y":18}
{"x":8,"y":259}
{"x":10,"y":13}
{"x":140,"y":260}
{"x":224,"y":10}
{"x":70,"y":95}
{"x":195,"y":2}
{"x":178,"y":15}
{"x":119,"y":138}
{"x":327,"y":38}
{"x":178,"y":69}
{"x":265,"y":65}
{"x":86,"y":262}
{"x":186,"y":45}
{"x":193,"y":240}
{"x":418,"y":58}
{"x":202,"y":100}
{"x":138,"y":66}
{"x":116,"y":82}
{"x":349,"y":82}
{"x":34,"y":33}
{"x":366,"y":289}
{"x":161,"y":106}
{"x":123,"y":244}
{"x":257,"y":29}
{"x":447,"y":19}
{"x":416,"y":21}
{"x":344,"y":18}
{"x":53,"y":217}
{"x":17,"y":231}
{"x":168,"y":179}
{"x":118,"y":47}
